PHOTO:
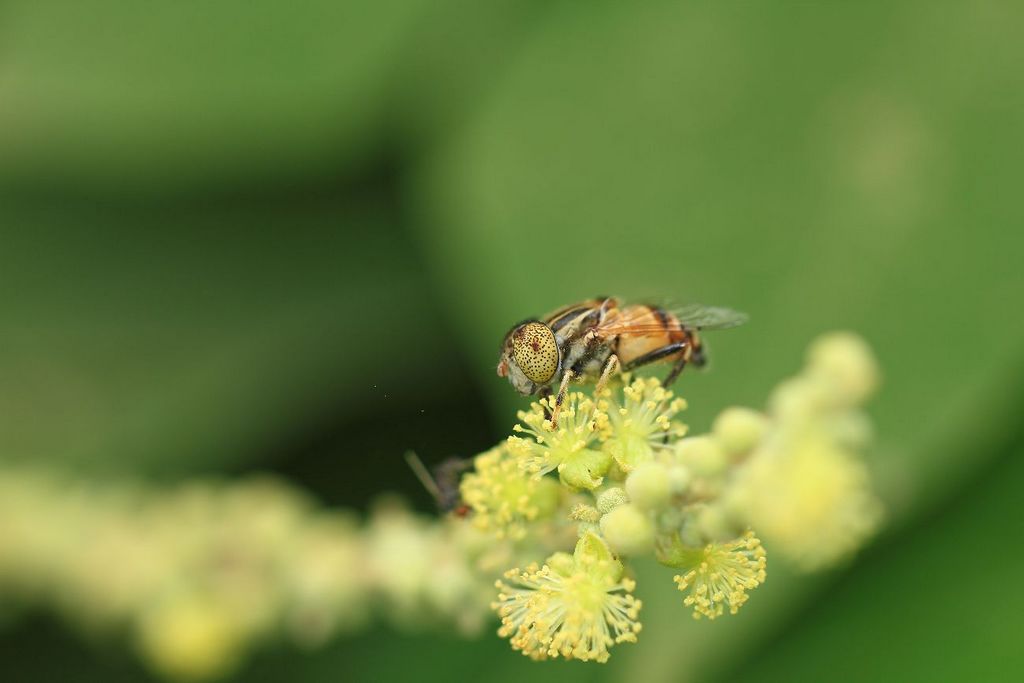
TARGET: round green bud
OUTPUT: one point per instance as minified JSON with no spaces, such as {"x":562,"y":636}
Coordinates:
{"x":801,"y":398}
{"x":736,"y":502}
{"x":702,"y":455}
{"x":648,"y":486}
{"x":847,"y":362}
{"x":679,"y":479}
{"x":714,"y":524}
{"x":670,"y":518}
{"x":609,"y":499}
{"x":628,"y":530}
{"x":690,"y":536}
{"x":738,"y":430}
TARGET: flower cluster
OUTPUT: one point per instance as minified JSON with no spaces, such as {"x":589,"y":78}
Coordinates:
{"x":643,"y":424}
{"x":198,"y":574}
{"x":505,"y":501}
{"x":804,"y":482}
{"x":568,"y":450}
{"x":634,"y":484}
{"x":718,"y":574}
{"x":576,"y":606}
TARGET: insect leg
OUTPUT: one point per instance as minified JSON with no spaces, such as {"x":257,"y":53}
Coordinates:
{"x":560,"y":399}
{"x":592,"y":345}
{"x":610,"y":366}
{"x":655,"y":355}
{"x":676,"y":369}
{"x":658,"y":354}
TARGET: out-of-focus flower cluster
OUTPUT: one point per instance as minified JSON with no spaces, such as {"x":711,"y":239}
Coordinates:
{"x":198,"y":574}
{"x":633,"y":483}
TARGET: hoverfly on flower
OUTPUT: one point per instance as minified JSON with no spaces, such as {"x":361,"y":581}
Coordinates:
{"x":596,"y":338}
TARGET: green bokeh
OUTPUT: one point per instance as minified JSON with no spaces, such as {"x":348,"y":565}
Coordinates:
{"x":230,"y":228}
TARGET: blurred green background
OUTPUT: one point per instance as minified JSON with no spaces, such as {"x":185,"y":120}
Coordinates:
{"x":250,"y":236}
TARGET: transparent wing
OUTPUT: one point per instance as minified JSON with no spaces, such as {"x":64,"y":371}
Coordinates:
{"x":709,"y":317}
{"x":643,"y":321}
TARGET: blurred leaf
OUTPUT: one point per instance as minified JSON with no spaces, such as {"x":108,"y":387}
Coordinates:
{"x":190,"y":337}
{"x":453,"y":56}
{"x":384,"y":655}
{"x":117,"y":95}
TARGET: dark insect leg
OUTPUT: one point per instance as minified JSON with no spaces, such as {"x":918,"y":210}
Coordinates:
{"x":676,"y":369}
{"x":655,"y":355}
{"x":658,"y":354}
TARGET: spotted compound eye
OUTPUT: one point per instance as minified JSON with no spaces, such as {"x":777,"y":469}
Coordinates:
{"x":535,"y":351}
